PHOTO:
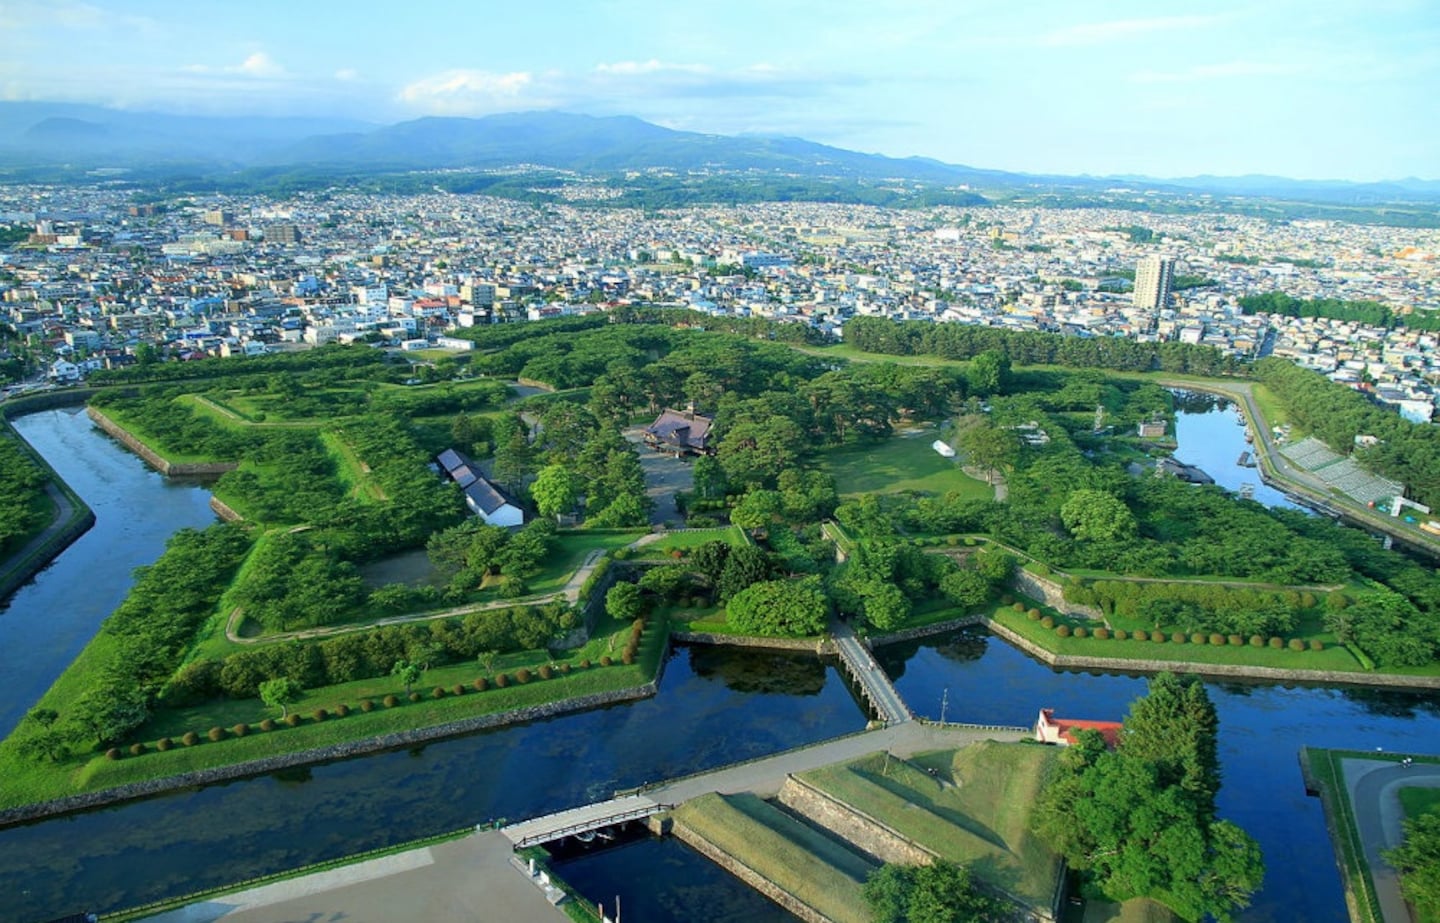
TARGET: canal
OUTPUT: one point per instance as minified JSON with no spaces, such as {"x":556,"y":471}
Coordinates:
{"x":714,"y":707}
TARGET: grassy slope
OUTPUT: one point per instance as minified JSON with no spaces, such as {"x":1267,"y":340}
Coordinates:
{"x":976,"y":813}
{"x":1417,"y":801}
{"x":800,"y":860}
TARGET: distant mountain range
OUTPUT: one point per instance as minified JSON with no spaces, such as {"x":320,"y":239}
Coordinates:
{"x":52,"y":134}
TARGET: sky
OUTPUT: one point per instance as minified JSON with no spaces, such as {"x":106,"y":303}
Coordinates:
{"x":1315,"y":90}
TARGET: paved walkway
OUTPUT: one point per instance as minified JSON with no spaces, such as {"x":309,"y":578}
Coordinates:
{"x":64,"y":509}
{"x":466,"y":879}
{"x":875,"y":683}
{"x":1374,"y":787}
{"x":584,"y":818}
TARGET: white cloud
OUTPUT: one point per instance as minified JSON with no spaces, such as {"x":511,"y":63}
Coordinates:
{"x":1098,"y":33}
{"x":260,"y":64}
{"x":470,"y":92}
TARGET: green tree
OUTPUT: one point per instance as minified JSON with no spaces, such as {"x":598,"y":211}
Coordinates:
{"x":281,"y":693}
{"x":554,"y":491}
{"x":757,"y":509}
{"x":941,"y":892}
{"x":1095,"y":515}
{"x":110,"y":711}
{"x":624,"y":602}
{"x":779,"y":608}
{"x":709,"y":478}
{"x":965,"y":587}
{"x":990,"y":448}
{"x":989,"y":373}
{"x":1417,"y":859}
{"x":408,"y":673}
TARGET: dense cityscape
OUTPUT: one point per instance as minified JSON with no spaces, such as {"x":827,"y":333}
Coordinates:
{"x":94,"y":278}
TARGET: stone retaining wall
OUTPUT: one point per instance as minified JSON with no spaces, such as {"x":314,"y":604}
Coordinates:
{"x":224,"y":510}
{"x":1051,"y":593}
{"x":925,"y":631}
{"x":1272,"y":674}
{"x":859,"y":830}
{"x":393,"y":741}
{"x":748,"y":875}
{"x":153,"y":458}
{"x":822,"y":646}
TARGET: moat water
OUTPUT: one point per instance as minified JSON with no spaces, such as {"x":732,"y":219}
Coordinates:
{"x":714,"y":707}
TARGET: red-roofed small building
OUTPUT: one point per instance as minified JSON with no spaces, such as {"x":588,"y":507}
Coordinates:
{"x":1052,"y":730}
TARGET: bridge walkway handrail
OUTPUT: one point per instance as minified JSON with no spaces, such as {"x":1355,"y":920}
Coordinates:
{"x":594,"y":823}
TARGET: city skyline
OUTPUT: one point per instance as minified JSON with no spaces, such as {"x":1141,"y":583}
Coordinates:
{"x":1320,"y":91}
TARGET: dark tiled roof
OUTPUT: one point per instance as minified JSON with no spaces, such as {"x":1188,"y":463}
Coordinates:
{"x":688,"y":430}
{"x":486,"y":496}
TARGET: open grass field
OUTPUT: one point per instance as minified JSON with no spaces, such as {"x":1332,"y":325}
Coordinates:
{"x":808,"y":864}
{"x":975,"y":809}
{"x":901,"y":463}
{"x":1417,"y":801}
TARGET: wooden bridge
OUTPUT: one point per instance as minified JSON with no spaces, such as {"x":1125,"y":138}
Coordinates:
{"x":583,"y":819}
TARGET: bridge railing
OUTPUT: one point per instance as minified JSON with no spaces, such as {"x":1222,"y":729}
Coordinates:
{"x":593,"y":824}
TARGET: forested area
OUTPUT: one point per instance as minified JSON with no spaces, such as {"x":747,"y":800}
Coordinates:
{"x":141,"y":644}
{"x":1140,"y":820}
{"x":1372,"y":313}
{"x":1407,"y":452}
{"x":1028,"y":347}
{"x":22,"y":482}
{"x":346,"y":362}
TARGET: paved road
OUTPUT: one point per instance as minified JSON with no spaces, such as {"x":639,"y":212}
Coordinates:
{"x":665,"y":476}
{"x":466,"y":879}
{"x":64,"y":509}
{"x":1375,"y":798}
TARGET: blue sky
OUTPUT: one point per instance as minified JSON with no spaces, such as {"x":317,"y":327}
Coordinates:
{"x":1306,"y":89}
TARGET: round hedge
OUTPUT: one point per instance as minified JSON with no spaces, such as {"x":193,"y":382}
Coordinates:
{"x":457,"y":689}
{"x":1047,"y":622}
{"x":1157,"y":637}
{"x":415,"y":696}
{"x":1199,"y":638}
{"x":190,"y":738}
{"x":1257,"y":641}
{"x":479,"y":684}
{"x":267,"y":724}
{"x":1296,"y":644}
{"x":216,"y":733}
{"x":1033,"y":613}
{"x":522,"y":675}
{"x":366,"y":705}
{"x":1234,"y":640}
{"x":320,"y":714}
{"x":1102,"y":634}
{"x":1080,"y":631}
{"x":565,"y":668}
{"x":438,"y":692}
{"x":1316,"y":644}
{"x":113,"y":753}
{"x":1217,"y":640}
{"x":606,"y":661}
{"x":546,"y":671}
{"x":390,"y":701}
{"x":342,"y":710}
{"x":1178,"y":637}
{"x":502,"y":680}
{"x":1277,"y":643}
{"x":240,"y":730}
{"x":1121,"y":634}
{"x":585,"y":664}
{"x":1062,"y":631}
{"x":628,"y":657}
{"x":292,"y":720}
{"x":136,"y":749}
{"x":164,"y":744}
{"x":1018,"y":607}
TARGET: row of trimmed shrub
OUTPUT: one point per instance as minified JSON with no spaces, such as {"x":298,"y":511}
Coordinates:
{"x":1174,"y":637}
{"x":294,"y":719}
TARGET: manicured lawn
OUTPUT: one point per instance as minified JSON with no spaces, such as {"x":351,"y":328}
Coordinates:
{"x":799,"y":859}
{"x":1273,"y":411}
{"x":1417,"y":801}
{"x":898,"y":464}
{"x":686,"y":541}
{"x":974,"y":808}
